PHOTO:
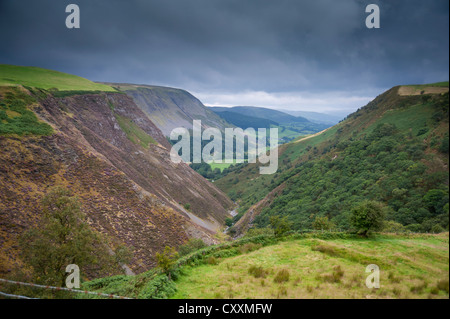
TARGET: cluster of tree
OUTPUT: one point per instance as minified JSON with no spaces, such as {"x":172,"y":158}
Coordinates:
{"x":387,"y":166}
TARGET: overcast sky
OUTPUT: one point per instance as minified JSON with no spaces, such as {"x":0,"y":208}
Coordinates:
{"x":312,"y":55}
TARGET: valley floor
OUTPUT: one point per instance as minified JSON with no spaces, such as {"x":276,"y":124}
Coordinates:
{"x":414,"y":266}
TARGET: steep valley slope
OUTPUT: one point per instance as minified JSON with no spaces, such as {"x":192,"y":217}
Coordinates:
{"x":109,"y":153}
{"x":171,"y":108}
{"x":394,"y":151}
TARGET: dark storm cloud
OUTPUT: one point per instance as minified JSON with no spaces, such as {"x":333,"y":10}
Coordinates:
{"x":233,"y":45}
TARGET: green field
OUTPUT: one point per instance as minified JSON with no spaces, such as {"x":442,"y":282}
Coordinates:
{"x":11,"y":75}
{"x":437,"y":84}
{"x":410,"y":267}
{"x":221,"y":166}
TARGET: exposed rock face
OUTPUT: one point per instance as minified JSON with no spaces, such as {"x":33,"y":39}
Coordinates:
{"x":129,"y":189}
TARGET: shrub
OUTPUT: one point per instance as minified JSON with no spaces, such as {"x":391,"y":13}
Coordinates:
{"x":212,"y":260}
{"x":443,"y":285}
{"x":159,"y":288}
{"x":282,"y":276}
{"x":419,"y":288}
{"x":436,"y":229}
{"x":392,"y":278}
{"x":166,"y":259}
{"x":335,"y":276}
{"x":391,"y":226}
{"x":246,"y":248}
{"x":325,"y":249}
{"x":253,"y":232}
{"x":257,"y":272}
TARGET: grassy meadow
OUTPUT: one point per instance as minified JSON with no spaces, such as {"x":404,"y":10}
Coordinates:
{"x":414,"y":266}
{"x":12,"y":75}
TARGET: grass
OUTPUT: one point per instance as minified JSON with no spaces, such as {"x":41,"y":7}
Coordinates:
{"x":135,"y":133}
{"x":411,"y":267}
{"x":437,"y":84}
{"x":16,"y":115}
{"x":414,"y":118}
{"x":221,"y":166}
{"x":12,"y":75}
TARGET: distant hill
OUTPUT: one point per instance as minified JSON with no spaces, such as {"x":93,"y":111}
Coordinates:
{"x":244,"y":121}
{"x":170,"y":108}
{"x":315,"y":116}
{"x":290,"y":127}
{"x":263,"y":113}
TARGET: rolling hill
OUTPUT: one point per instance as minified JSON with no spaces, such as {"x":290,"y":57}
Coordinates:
{"x":315,"y":116}
{"x":289,"y":127}
{"x":244,"y":121}
{"x":96,"y":142}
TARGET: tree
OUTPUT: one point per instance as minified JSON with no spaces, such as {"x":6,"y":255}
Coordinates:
{"x":436,"y":199}
{"x":367,"y":216}
{"x":229,"y":222}
{"x":62,"y":238}
{"x":322,"y":223}
{"x":166,"y":259}
{"x":280,"y":225}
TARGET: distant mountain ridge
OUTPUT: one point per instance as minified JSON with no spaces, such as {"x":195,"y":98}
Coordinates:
{"x":289,"y":126}
{"x":263,"y":113}
{"x":315,"y":116}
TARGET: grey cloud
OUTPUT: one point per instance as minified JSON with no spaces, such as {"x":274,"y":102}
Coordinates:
{"x":233,"y":45}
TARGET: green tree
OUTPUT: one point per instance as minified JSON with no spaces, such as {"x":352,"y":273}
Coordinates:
{"x":322,"y":223}
{"x":229,"y":222}
{"x":63,"y":237}
{"x":166,"y":260}
{"x":436,"y":199}
{"x":280,"y":225}
{"x":367,"y":216}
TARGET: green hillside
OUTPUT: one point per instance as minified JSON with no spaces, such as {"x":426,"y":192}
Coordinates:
{"x":394,"y":151}
{"x":316,"y":268}
{"x":300,"y":266}
{"x":12,"y":75}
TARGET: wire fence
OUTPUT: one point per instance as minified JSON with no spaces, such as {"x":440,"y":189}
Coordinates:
{"x":18,"y":283}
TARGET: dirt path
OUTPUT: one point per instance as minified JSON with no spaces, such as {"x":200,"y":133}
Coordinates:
{"x":314,"y":135}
